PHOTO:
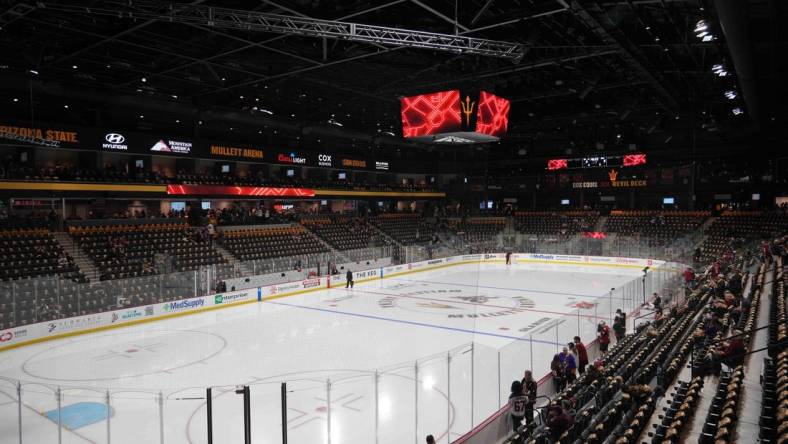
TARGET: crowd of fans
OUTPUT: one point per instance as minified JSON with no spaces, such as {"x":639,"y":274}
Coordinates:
{"x":717,"y":317}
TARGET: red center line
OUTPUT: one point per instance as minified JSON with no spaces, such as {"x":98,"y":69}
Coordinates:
{"x":482,"y":305}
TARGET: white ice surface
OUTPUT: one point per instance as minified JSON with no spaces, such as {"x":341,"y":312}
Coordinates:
{"x":515,"y":315}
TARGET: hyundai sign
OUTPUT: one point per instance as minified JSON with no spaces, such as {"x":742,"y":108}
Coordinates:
{"x":115,"y":141}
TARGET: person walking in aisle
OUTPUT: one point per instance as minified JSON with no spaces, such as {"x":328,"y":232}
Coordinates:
{"x":349,"y":279}
{"x":517,"y":404}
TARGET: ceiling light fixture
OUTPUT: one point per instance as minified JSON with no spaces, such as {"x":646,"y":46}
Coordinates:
{"x":719,"y":69}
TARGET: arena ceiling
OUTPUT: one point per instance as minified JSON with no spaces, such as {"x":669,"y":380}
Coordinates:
{"x":589,"y":71}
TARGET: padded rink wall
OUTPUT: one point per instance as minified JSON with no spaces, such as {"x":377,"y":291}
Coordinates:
{"x":60,"y":328}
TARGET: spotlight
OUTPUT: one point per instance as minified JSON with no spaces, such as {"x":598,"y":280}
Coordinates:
{"x":719,"y":69}
{"x":731,"y":94}
{"x":737,"y":111}
{"x":144,"y":80}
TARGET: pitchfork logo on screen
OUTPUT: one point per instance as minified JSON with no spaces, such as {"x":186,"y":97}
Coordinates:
{"x":467,"y":109}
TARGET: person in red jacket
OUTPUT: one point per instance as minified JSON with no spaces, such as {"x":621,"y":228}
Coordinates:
{"x":603,"y":336}
{"x":582,"y":355}
{"x":689,"y":278}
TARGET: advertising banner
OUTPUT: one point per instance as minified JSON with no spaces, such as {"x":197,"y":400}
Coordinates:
{"x":220,"y":190}
{"x":235,"y":152}
{"x":237,"y":296}
{"x":51,"y":136}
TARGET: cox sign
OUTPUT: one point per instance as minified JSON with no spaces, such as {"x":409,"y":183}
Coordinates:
{"x":324,"y":160}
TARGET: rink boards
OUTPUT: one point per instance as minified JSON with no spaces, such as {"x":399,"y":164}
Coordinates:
{"x":60,"y":328}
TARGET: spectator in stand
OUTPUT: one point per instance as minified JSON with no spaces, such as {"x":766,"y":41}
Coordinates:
{"x":731,"y":352}
{"x":529,"y":389}
{"x":767,"y":252}
{"x":573,"y":352}
{"x":517,"y":404}
{"x":603,"y":336}
{"x":582,"y":355}
{"x":619,"y":325}
{"x":558,"y":421}
{"x":430,"y":439}
{"x":689,"y":278}
{"x":734,"y":283}
{"x":558,"y":373}
{"x":714,"y":269}
{"x":569,"y":365}
{"x":712,"y":327}
{"x":657,"y":302}
{"x":211,"y":230}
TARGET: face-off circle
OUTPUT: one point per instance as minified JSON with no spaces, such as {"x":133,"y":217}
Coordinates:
{"x":138,"y":353}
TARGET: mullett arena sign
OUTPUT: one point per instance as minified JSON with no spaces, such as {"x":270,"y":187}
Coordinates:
{"x":230,"y":151}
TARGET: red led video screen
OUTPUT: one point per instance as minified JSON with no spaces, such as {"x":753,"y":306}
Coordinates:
{"x":238,"y":191}
{"x":429,"y":114}
{"x":557,"y":164}
{"x":634,"y":160}
{"x":594,"y":234}
{"x":492,"y":117}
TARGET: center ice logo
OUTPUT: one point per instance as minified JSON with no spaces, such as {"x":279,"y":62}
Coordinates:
{"x":456,"y":305}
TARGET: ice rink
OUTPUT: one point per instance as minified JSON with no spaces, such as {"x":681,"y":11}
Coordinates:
{"x":388,"y":361}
